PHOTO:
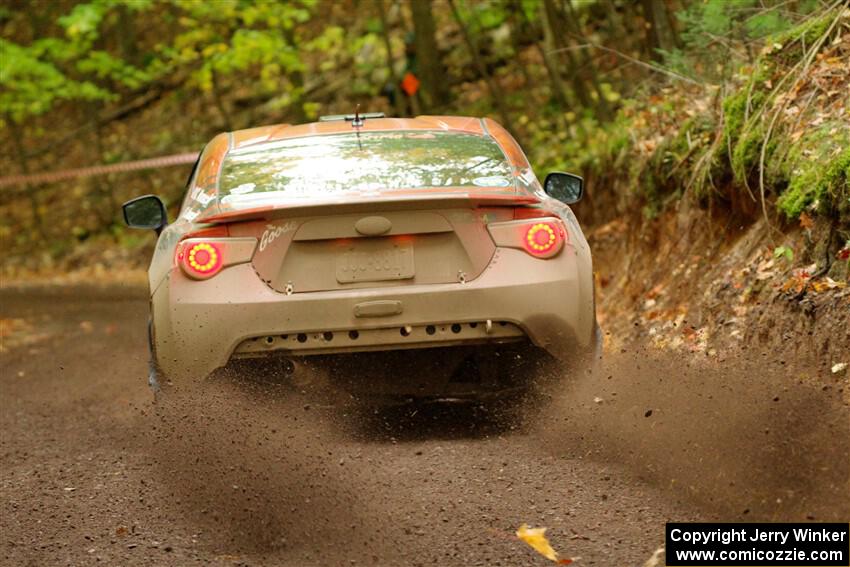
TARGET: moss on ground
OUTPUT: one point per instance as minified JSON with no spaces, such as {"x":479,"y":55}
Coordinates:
{"x":818,"y":181}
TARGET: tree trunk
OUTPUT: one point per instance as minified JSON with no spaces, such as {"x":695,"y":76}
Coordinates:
{"x":587,"y":64}
{"x":398,"y":101}
{"x":296,"y":79}
{"x":495,"y":91}
{"x":556,"y":83}
{"x":219,"y":103}
{"x":428,"y":67}
{"x":17,"y":141}
{"x":517,"y":22}
{"x":128,"y":39}
{"x":660,"y":34}
{"x":102,"y":188}
{"x":555,"y":21}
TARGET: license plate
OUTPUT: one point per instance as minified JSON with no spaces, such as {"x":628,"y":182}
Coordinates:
{"x":375,"y":261}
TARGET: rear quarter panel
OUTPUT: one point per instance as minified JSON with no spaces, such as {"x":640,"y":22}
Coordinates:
{"x":163,"y":255}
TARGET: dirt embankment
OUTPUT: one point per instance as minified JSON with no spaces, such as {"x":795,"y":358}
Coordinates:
{"x":714,"y":286}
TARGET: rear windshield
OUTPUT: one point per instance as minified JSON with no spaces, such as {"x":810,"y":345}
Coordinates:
{"x":374,"y":161}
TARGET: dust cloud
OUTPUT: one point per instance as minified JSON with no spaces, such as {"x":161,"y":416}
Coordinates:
{"x":750,"y":437}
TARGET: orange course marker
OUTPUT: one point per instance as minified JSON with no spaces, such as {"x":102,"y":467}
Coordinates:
{"x":410,"y":84}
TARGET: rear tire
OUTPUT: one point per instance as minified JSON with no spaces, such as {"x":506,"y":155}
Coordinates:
{"x":156,"y":378}
{"x":594,"y":363}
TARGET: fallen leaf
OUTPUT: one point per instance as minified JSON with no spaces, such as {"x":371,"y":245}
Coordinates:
{"x":794,"y":283}
{"x":655,"y":560}
{"x":806,"y":221}
{"x":826,"y":284}
{"x":655,"y":291}
{"x":536,"y":538}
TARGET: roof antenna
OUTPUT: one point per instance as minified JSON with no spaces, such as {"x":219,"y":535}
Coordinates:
{"x":357,"y":123}
{"x":358,"y":120}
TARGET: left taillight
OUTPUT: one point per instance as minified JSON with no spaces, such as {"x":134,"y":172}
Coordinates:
{"x":541,"y":238}
{"x":201,"y":259}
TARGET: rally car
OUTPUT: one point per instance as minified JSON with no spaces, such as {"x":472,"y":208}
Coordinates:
{"x":358,"y":235}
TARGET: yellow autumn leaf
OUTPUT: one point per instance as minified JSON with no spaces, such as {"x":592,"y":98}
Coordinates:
{"x":536,"y":538}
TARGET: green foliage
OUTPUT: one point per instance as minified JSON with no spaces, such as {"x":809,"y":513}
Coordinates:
{"x":784,"y":252}
{"x":704,"y":23}
{"x":82,"y":22}
{"x":102,"y":65}
{"x":229,"y":38}
{"x":716,"y":34}
{"x":49,"y":70}
{"x":213,"y":40}
{"x":32,"y":83}
{"x":766,"y":23}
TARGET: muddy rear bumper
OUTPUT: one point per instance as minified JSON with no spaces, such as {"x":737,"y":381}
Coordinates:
{"x":201,"y":325}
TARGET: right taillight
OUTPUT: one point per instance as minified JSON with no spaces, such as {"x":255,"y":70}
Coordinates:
{"x":541,"y":238}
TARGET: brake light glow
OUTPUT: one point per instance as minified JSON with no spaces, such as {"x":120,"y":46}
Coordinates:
{"x":544,"y":238}
{"x":541,"y":238}
{"x":201,"y":260}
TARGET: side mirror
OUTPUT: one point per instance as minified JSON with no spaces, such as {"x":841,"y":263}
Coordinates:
{"x":146,"y":212}
{"x":565,"y":187}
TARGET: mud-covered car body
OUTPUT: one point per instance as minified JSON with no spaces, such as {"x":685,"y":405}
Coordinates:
{"x":384,"y":234}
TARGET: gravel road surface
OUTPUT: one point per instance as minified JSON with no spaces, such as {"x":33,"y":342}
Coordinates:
{"x":238,"y":471}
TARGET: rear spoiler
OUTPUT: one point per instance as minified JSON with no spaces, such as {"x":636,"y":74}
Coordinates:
{"x":368,"y":204}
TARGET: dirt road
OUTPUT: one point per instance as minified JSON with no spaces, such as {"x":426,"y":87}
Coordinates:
{"x":249,"y":473}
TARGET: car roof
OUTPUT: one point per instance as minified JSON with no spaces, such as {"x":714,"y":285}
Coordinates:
{"x":251,"y":136}
{"x":464,"y":124}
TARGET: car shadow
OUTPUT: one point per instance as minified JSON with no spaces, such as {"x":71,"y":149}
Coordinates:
{"x":374,"y":419}
{"x":419,"y":420}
